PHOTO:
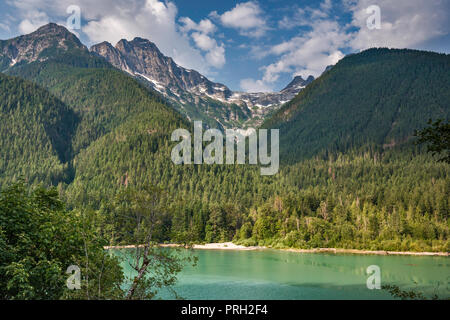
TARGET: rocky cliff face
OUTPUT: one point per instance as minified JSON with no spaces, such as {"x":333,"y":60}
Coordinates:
{"x":141,"y":58}
{"x":45,"y":42}
{"x":269,"y":99}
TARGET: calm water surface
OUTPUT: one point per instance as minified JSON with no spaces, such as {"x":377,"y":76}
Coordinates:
{"x":273,"y":274}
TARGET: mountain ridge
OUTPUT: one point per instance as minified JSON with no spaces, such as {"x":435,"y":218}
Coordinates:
{"x":141,"y":57}
{"x":188,"y":91}
{"x":130,"y":56}
{"x":36,"y":46}
{"x":373,"y":99}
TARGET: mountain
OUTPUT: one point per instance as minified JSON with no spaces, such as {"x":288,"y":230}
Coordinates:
{"x":94,"y":98}
{"x":101,"y":97}
{"x":92,"y":129}
{"x":39,"y":45}
{"x":188,"y":91}
{"x":98,"y":94}
{"x":142,"y":57}
{"x":297,"y":84}
{"x":192,"y":93}
{"x":376,"y":98}
{"x":36,"y":130}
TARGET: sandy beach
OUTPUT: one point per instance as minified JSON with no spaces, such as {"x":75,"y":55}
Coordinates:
{"x":232,"y":246}
{"x":207,"y":246}
{"x":378,"y":252}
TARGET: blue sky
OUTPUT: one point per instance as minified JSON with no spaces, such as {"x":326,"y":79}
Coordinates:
{"x":246,"y":45}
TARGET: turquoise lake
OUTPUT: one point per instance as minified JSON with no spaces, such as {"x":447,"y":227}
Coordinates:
{"x":273,"y":274}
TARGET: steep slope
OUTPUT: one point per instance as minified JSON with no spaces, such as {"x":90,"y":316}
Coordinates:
{"x":374,"y":98}
{"x":296,"y":85}
{"x":36,"y":130}
{"x":103,"y":98}
{"x":398,"y":201}
{"x":100,"y":95}
{"x":190,"y":92}
{"x":39,"y":45}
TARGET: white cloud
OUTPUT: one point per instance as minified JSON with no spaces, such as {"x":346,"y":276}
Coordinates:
{"x":404,"y":24}
{"x":151,"y":19}
{"x":204,"y":26}
{"x":5,"y":27}
{"x":203,"y":41}
{"x":245,"y":17}
{"x":252,"y":85}
{"x":305,"y":16}
{"x":215,"y":53}
{"x":326,"y":5}
{"x":33,"y":20}
{"x":310,"y":53}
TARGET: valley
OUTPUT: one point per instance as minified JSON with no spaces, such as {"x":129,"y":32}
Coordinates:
{"x":86,"y":152}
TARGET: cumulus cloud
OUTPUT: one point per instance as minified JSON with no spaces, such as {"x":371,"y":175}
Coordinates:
{"x":246,"y":17}
{"x":404,"y":24}
{"x":305,"y":16}
{"x":5,"y":27}
{"x":252,"y":85}
{"x":151,"y":19}
{"x":308,"y":54}
{"x":204,"y":26}
{"x":33,"y":20}
{"x":312,"y":51}
{"x":215,"y":53}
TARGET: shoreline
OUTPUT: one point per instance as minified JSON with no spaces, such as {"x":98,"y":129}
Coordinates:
{"x":232,"y":246}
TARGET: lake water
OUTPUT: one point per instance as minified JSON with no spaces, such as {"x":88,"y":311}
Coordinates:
{"x":274,"y":274}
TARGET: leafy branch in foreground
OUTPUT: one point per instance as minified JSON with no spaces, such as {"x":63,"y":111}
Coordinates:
{"x":396,"y":292}
{"x":144,"y":212}
{"x":437,"y":136}
{"x":40,"y":239}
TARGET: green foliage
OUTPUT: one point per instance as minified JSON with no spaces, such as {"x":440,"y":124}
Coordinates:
{"x":372,"y":100}
{"x":437,"y":136}
{"x":39,"y":239}
{"x":36,"y":130}
{"x":352,"y":188}
{"x":143,"y":213}
{"x":102,"y":97}
{"x":399,"y":293}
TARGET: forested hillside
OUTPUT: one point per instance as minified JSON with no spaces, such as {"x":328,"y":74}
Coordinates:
{"x":360,"y":183}
{"x":36,"y":130}
{"x":376,"y":98}
{"x":397,"y":200}
{"x":100,"y":95}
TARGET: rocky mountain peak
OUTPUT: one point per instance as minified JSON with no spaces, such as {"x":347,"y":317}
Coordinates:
{"x":144,"y":43}
{"x":38,"y":45}
{"x":51,"y":28}
{"x":112,"y":55}
{"x":297,"y":83}
{"x":53,"y":34}
{"x":142,"y":58}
